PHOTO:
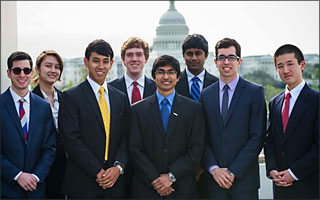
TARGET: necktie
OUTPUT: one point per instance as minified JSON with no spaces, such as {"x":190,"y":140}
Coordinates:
{"x":165,"y":113}
{"x":285,"y":113}
{"x":135,"y":93}
{"x":23,"y":120}
{"x":195,"y":88}
{"x":104,"y":108}
{"x":225,"y":101}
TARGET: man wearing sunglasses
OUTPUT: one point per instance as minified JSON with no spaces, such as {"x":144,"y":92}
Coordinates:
{"x":235,"y":111}
{"x":28,"y":134}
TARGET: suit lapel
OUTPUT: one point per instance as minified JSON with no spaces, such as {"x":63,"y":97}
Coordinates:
{"x":207,"y":80}
{"x":156,"y":115}
{"x":174,"y":115}
{"x":148,"y":87}
{"x":184,"y":86}
{"x":216,"y":105}
{"x":122,"y":84}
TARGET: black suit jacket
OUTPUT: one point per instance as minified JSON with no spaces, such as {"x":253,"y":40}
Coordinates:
{"x":182,"y":86}
{"x":237,"y":144}
{"x":155,"y":152}
{"x":55,"y":177}
{"x":83,"y":137}
{"x":149,"y":86}
{"x":298,"y":147}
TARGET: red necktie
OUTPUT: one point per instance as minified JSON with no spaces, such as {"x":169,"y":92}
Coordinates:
{"x":135,"y":93}
{"x":285,"y":113}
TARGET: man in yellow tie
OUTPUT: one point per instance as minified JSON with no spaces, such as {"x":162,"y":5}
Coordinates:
{"x":92,"y":122}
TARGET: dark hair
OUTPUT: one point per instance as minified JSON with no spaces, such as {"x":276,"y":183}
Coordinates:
{"x":195,"y":41}
{"x":42,"y":56}
{"x":163,"y":61}
{"x":135,"y":42}
{"x":100,"y":47}
{"x":226,"y":43}
{"x":288,"y":48}
{"x":18,"y":55}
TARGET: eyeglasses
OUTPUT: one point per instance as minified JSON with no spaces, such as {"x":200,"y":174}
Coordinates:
{"x":162,"y":73}
{"x":230,"y":58}
{"x":18,"y":70}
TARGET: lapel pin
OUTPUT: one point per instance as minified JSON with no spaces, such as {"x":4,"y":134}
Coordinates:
{"x":175,"y":114}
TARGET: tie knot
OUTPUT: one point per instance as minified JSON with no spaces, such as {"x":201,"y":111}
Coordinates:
{"x":195,"y":79}
{"x":165,"y":101}
{"x":135,"y":83}
{"x":21,"y":101}
{"x":101,"y":90}
{"x":288,"y":95}
{"x":225,"y":87}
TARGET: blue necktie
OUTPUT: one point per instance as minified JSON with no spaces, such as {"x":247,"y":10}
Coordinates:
{"x":195,"y":88}
{"x":165,"y":113}
{"x":225,"y":101}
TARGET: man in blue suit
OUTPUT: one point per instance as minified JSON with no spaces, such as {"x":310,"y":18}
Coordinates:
{"x":235,"y":111}
{"x":27,"y":134}
{"x":292,"y":145}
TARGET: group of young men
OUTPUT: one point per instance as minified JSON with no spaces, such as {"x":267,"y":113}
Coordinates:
{"x":186,"y":134}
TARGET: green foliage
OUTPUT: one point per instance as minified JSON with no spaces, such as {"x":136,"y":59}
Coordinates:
{"x":263,"y":79}
{"x":83,"y":73}
{"x":70,"y":84}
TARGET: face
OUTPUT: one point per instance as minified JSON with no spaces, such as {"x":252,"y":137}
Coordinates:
{"x":134,"y":60}
{"x":228,"y":69}
{"x":195,"y":59}
{"x":20,"y":82}
{"x":166,"y":83}
{"x":49,"y":70}
{"x":98,"y":67}
{"x":289,"y":70}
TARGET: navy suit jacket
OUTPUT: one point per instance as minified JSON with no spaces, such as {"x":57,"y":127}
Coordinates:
{"x":35,"y":156}
{"x":149,"y":86}
{"x":298,"y":147}
{"x":83,"y":138}
{"x":237,"y":144}
{"x":182,"y":86}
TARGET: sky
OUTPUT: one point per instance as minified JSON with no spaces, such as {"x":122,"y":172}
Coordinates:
{"x":259,"y":26}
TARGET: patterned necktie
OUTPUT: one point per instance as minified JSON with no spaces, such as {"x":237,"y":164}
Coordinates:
{"x":165,"y":113}
{"x":23,"y":119}
{"x":225,"y":101}
{"x":104,"y":108}
{"x":285,"y":113}
{"x":195,"y":88}
{"x":135,"y":93}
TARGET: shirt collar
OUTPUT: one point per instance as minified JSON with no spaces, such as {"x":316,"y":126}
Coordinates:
{"x":170,"y":97}
{"x":200,"y":76}
{"x":55,"y":95}
{"x":129,"y":80}
{"x":95,"y":86}
{"x":295,"y":91}
{"x":16,"y":97}
{"x":232,"y":84}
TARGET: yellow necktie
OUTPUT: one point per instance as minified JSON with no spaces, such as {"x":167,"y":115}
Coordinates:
{"x":104,"y":108}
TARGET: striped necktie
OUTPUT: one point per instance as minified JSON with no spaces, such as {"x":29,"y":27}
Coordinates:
{"x":195,"y":88}
{"x":104,"y":108}
{"x":23,"y":119}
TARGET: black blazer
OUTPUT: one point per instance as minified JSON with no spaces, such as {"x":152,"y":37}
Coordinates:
{"x":182,"y":86}
{"x":237,"y":144}
{"x":298,"y":147}
{"x":155,"y":152}
{"x":83,"y":137}
{"x":54,"y":179}
{"x":149,"y":86}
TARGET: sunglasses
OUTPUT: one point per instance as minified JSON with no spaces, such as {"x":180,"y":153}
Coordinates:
{"x":18,"y":70}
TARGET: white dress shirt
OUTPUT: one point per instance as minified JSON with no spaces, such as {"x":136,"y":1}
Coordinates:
{"x":129,"y":85}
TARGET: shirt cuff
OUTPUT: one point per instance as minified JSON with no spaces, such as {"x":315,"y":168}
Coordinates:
{"x":212,"y":168}
{"x":292,"y":174}
{"x":38,"y":180}
{"x":17,"y":176}
{"x":117,"y":162}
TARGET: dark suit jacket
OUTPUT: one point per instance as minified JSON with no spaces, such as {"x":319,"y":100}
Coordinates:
{"x":155,"y":152}
{"x":36,"y":156}
{"x":298,"y":147}
{"x":55,"y":177}
{"x":149,"y":86}
{"x":236,"y":145}
{"x":83,"y":137}
{"x":182,"y":86}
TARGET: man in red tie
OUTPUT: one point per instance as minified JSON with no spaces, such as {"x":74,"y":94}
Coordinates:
{"x":292,"y":145}
{"x":134,"y":55}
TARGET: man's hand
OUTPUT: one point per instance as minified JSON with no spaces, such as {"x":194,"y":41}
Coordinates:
{"x":283,"y":178}
{"x":163,"y":185}
{"x":27,"y":181}
{"x":108,"y":177}
{"x":222,"y":177}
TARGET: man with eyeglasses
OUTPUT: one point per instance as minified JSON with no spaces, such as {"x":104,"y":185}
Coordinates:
{"x":235,"y":111}
{"x":28,"y":134}
{"x":166,"y":138}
